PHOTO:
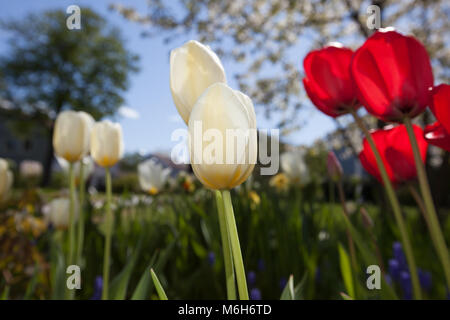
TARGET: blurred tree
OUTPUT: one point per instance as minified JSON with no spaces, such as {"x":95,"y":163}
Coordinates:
{"x":50,"y":68}
{"x":262,"y":34}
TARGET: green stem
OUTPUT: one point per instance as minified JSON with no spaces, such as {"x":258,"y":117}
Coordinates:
{"x":81,"y":215}
{"x":70,"y":259}
{"x":395,"y":207}
{"x":235,"y":246}
{"x":432,"y":219}
{"x":71,"y":214}
{"x":107,"y":252}
{"x":227,"y":254}
{"x":351,"y":245}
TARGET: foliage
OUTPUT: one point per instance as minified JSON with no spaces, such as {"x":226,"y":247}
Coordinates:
{"x":295,"y":233}
{"x":49,"y":68}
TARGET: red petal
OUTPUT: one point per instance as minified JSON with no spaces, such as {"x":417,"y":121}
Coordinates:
{"x":328,"y":82}
{"x":440,"y":105}
{"x":393,"y":74}
{"x":436,"y":135}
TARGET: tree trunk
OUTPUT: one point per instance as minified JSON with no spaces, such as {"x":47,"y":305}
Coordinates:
{"x":48,"y":161}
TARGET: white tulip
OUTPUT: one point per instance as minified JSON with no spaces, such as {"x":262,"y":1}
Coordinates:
{"x":193,"y":68}
{"x":226,"y":118}
{"x":106,"y":143}
{"x":30,"y":169}
{"x":57,"y":212}
{"x":6,"y":179}
{"x":71,"y":135}
{"x":152,"y":176}
{"x":87,"y":170}
{"x":89,"y":124}
{"x":294,"y":166}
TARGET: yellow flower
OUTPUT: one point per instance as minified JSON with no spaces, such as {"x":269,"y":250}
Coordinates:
{"x":280,"y":182}
{"x":255,"y":199}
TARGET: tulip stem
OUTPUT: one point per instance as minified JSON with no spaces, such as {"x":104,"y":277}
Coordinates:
{"x":71,"y":220}
{"x":351,"y":245}
{"x":227,"y":254}
{"x":108,"y":224}
{"x":235,"y":246}
{"x":432,"y":219}
{"x":81,"y":215}
{"x":395,"y":207}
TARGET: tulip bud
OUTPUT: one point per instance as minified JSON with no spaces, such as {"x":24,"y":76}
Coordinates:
{"x":366,"y":219}
{"x":6,"y":179}
{"x":57,"y":213}
{"x":294,"y":166}
{"x":225,"y":118}
{"x":152,"y":176}
{"x":72,"y":135}
{"x":106,"y":143}
{"x":193,"y":68}
{"x":334,"y":167}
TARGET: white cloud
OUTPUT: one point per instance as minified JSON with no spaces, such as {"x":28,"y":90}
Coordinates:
{"x":128,"y":113}
{"x":175,"y":118}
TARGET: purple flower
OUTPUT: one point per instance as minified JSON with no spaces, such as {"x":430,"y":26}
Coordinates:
{"x":405,"y":283}
{"x":211,"y":258}
{"x":255,"y":294}
{"x":394,"y":269}
{"x":399,"y":255}
{"x":251,"y":278}
{"x":388,"y":279}
{"x":425,"y":279}
{"x":98,"y":286}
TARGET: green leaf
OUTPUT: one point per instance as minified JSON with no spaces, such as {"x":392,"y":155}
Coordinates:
{"x":298,"y":290}
{"x":162,"y":295}
{"x":5,"y":293}
{"x":143,"y":288}
{"x":387,"y":292}
{"x":58,"y":273}
{"x":346,"y":271}
{"x":288,"y":291}
{"x":32,"y":285}
{"x":119,"y":285}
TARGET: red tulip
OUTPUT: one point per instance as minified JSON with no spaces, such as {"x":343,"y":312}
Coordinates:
{"x":440,"y":104}
{"x":328,"y":82}
{"x":395,"y":149}
{"x":436,"y":135}
{"x":392,"y":73}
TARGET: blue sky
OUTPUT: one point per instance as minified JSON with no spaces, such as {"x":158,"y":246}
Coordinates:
{"x":149,"y":127}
